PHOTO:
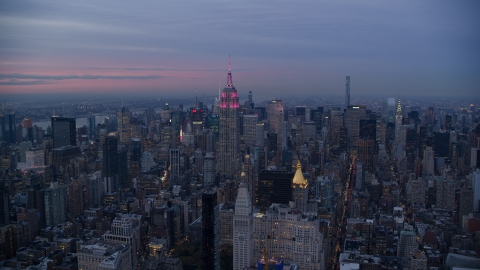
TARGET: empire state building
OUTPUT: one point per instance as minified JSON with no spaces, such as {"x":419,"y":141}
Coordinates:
{"x":227,"y":156}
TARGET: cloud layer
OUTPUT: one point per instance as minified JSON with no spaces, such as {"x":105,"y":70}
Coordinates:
{"x":279,"y":47}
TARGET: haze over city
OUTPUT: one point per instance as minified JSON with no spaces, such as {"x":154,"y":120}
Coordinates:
{"x":277,"y":47}
{"x":239,"y":135}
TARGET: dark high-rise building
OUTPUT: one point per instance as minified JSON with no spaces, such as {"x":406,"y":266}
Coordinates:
{"x":92,"y":127}
{"x":2,"y":127}
{"x":110,"y":163}
{"x":10,"y":130}
{"x":274,"y":187}
{"x":214,"y":125}
{"x":197,"y":120}
{"x":448,"y":122}
{"x":75,"y":199}
{"x":347,"y":91}
{"x":287,"y":159}
{"x":343,"y":139}
{"x":411,"y":145}
{"x":210,"y":231}
{"x":465,"y":205}
{"x":422,"y":140}
{"x":175,"y":166}
{"x":441,"y":144}
{"x":272,"y":141}
{"x":366,"y":152}
{"x":136,"y":145}
{"x":250,"y":103}
{"x":122,"y":155}
{"x":63,"y":131}
{"x":368,"y":129}
{"x":4,"y":205}
{"x":352,"y":118}
{"x":228,"y":152}
{"x":317,"y":117}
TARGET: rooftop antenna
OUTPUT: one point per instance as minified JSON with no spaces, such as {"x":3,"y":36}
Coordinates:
{"x":196,"y":99}
{"x":218,"y":90}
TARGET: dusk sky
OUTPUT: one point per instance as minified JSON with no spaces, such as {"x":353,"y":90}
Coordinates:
{"x":277,"y":48}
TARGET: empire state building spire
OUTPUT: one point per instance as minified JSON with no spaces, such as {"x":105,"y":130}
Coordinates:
{"x":229,"y":76}
{"x":229,"y":129}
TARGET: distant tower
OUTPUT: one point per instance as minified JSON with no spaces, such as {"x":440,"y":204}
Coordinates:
{"x":91,"y":126}
{"x":10,"y":135}
{"x":175,"y":166}
{"x":300,"y":189}
{"x":275,"y":115}
{"x":243,"y":230}
{"x":250,"y":104}
{"x":123,"y":125}
{"x":110,"y":164}
{"x":398,"y":121}
{"x":64,"y":131}
{"x":347,"y":92}
{"x":227,"y":161}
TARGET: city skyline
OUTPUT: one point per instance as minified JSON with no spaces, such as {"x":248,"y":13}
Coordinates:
{"x":388,"y":49}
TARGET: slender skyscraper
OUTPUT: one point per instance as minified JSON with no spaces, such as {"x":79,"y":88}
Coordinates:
{"x":210,"y":231}
{"x":123,"y":125}
{"x":110,"y":164}
{"x":243,"y":230}
{"x":175,"y":166}
{"x":347,"y":92}
{"x":229,"y":129}
{"x":91,"y":126}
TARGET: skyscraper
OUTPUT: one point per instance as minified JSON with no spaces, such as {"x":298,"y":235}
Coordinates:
{"x":110,"y":163}
{"x":123,"y":125}
{"x":275,"y":115}
{"x":210,"y":231}
{"x":75,"y":199}
{"x":92,"y":127}
{"x":4,"y":205}
{"x":353,"y":115}
{"x":300,"y":189}
{"x":228,"y":159}
{"x":175,"y":166}
{"x":428,"y":161}
{"x":243,"y":230}
{"x":63,"y":131}
{"x":209,"y":169}
{"x":10,"y":129}
{"x":250,"y":103}
{"x":347,"y":92}
{"x":274,"y":187}
{"x":250,"y":130}
{"x":54,"y":204}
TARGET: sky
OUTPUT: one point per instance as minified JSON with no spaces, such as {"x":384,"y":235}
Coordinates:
{"x":277,"y":48}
